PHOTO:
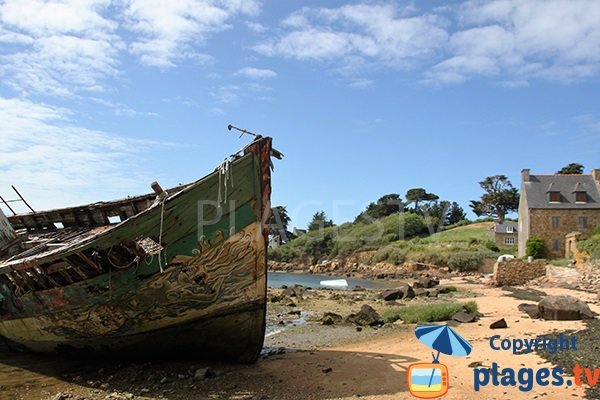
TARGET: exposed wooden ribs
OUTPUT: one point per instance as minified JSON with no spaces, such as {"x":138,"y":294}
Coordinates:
{"x":90,"y":263}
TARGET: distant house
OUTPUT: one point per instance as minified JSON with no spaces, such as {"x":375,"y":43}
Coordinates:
{"x":552,"y":206}
{"x":274,"y":241}
{"x":277,"y":240}
{"x":298,"y":232}
{"x":505,"y":234}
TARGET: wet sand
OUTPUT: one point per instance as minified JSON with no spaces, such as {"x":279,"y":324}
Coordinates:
{"x":304,"y":361}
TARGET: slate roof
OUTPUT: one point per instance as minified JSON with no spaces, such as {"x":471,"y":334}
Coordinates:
{"x":502,"y":227}
{"x":538,"y":186}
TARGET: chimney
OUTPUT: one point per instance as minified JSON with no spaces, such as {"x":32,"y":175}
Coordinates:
{"x":596,"y":176}
{"x":525,"y":175}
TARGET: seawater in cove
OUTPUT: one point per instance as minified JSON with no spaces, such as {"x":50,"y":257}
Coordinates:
{"x":278,"y":279}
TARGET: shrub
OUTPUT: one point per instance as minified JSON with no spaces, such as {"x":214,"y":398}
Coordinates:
{"x":460,"y":260}
{"x":467,"y":260}
{"x":284,"y":254}
{"x":535,"y":247}
{"x":391,"y":254}
{"x":491,"y":246}
{"x":426,"y":312}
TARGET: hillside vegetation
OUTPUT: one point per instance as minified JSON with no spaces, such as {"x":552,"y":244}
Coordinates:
{"x":395,"y":239}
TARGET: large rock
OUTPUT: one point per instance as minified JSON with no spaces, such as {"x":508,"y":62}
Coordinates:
{"x":403,"y":292}
{"x":500,"y":324}
{"x":464,"y":317}
{"x":367,"y":316}
{"x":564,"y":308}
{"x":330,"y":318}
{"x":426,"y":283}
{"x":293,"y":291}
{"x":530,"y":309}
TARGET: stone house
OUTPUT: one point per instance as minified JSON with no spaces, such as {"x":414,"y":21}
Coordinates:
{"x":505,"y":234}
{"x":553,"y":206}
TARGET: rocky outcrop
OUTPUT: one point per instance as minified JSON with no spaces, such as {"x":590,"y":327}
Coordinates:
{"x":564,"y":308}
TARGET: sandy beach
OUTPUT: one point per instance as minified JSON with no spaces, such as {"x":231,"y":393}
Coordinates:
{"x":304,"y":359}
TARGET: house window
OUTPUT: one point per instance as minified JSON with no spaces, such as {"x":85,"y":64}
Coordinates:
{"x":509,"y":240}
{"x":510,"y":229}
{"x":555,"y":245}
{"x":583,"y":222}
{"x":581,"y":197}
{"x":554,"y":197}
{"x":556,"y":222}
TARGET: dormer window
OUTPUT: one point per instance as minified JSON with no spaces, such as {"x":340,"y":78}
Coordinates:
{"x":554,"y":197}
{"x":580,"y":197}
{"x":510,"y":229}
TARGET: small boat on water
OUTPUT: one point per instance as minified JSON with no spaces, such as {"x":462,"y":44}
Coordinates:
{"x":334,"y":283}
{"x":181,"y":271}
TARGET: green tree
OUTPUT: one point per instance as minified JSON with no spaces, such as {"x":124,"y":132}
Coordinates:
{"x":499,"y":199}
{"x":279,"y":222}
{"x":455,"y":214}
{"x":319,"y":221}
{"x":386,"y":205}
{"x":445,"y":212}
{"x":416,"y":195}
{"x":572,"y":168}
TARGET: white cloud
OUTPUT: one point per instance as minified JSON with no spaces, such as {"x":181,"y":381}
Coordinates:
{"x":121,"y":109}
{"x":226,"y":94}
{"x":57,"y":48}
{"x":54,"y":162}
{"x":256,"y":27}
{"x":256,"y":73}
{"x":184,"y":100}
{"x":360,"y":83}
{"x":380,"y":34}
{"x":508,"y":42}
{"x":168,"y":31}
{"x":523,"y":40}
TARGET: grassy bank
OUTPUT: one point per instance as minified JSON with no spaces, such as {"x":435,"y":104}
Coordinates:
{"x":427,"y":312}
{"x":396,"y":239}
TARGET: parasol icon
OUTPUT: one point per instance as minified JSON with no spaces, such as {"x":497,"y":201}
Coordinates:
{"x":443,"y":339}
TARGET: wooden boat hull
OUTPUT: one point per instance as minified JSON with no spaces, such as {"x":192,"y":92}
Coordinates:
{"x":203,"y":295}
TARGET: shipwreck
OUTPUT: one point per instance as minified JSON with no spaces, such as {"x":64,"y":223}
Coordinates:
{"x":176,"y":271}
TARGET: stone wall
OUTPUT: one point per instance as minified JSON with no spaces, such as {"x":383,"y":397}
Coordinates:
{"x":518,"y":272}
{"x":541,"y":225}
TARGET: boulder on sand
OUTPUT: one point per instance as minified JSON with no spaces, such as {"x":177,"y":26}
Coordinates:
{"x":330,"y":318}
{"x":530,"y":309}
{"x":294,"y":291}
{"x":426,"y":283}
{"x":403,"y":292}
{"x":367,"y":316}
{"x":500,"y":324}
{"x":464,"y":317}
{"x":564,"y":308}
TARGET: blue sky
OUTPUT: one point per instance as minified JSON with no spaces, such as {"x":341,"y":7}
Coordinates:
{"x":100,"y":98}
